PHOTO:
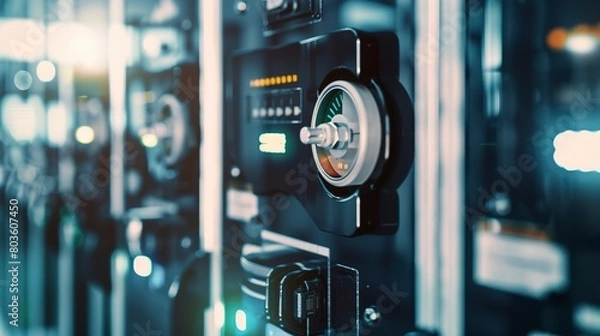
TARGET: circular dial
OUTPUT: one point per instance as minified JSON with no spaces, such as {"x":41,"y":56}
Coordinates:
{"x":168,"y":131}
{"x":94,"y":121}
{"x":345,"y":134}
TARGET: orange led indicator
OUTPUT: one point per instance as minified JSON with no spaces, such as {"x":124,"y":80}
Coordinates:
{"x":276,"y":80}
{"x":557,"y":38}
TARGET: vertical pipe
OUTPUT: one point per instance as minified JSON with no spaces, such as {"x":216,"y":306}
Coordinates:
{"x":96,"y":314}
{"x":116,"y":78}
{"x":211,"y":153}
{"x":426,"y":60}
{"x":36,"y":267}
{"x":66,"y":257}
{"x":452,"y":160}
{"x":66,"y":276}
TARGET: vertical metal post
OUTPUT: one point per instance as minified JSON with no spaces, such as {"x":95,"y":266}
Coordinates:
{"x":211,"y":153}
{"x":66,"y":169}
{"x":440,"y":127}
{"x":66,"y":277}
{"x":35,"y":245}
{"x":452,"y":160}
{"x":426,"y":163}
{"x":96,"y":312}
{"x":117,"y":44}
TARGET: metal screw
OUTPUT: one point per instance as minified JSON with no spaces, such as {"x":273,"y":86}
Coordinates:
{"x":240,"y":7}
{"x":372,"y":316}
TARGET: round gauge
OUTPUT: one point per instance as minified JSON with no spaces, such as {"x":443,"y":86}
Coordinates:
{"x":345,"y":134}
{"x":93,"y":128}
{"x":168,"y":133}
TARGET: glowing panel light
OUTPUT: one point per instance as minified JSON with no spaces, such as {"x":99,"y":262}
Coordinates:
{"x":84,"y":135}
{"x":275,"y":80}
{"x":19,"y":117}
{"x":142,"y":266}
{"x":76,"y":44}
{"x":578,"y":151}
{"x":149,"y":140}
{"x":219,"y":318}
{"x":240,"y":320}
{"x":272,"y":143}
{"x":557,"y":38}
{"x":45,"y":71}
{"x":57,"y":123}
{"x":152,"y":46}
{"x":581,"y":43}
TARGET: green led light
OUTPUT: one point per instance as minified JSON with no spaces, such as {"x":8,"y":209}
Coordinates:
{"x":240,"y":320}
{"x":273,"y":143}
{"x":149,"y":140}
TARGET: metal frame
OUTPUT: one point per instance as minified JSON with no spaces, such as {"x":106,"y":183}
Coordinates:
{"x":439,"y":165}
{"x":211,"y":154}
{"x":116,"y":78}
{"x":452,"y":161}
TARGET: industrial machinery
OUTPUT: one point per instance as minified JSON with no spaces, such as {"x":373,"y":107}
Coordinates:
{"x":158,"y":230}
{"x":319,"y":137}
{"x":299,"y":167}
{"x":533,"y":177}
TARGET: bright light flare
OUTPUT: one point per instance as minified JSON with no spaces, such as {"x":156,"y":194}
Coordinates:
{"x":152,"y":46}
{"x":19,"y":116}
{"x":45,"y":71}
{"x":219,"y":317}
{"x":578,"y":151}
{"x":85,"y":135}
{"x":142,"y":266}
{"x":272,"y":143}
{"x":149,"y":140}
{"x":57,"y":123}
{"x":77,"y":44}
{"x":581,"y":43}
{"x":240,"y":320}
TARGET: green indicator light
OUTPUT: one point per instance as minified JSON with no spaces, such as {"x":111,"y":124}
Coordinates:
{"x":240,"y":320}
{"x":273,"y":143}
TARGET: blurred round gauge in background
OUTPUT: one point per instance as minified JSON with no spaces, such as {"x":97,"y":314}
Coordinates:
{"x":23,"y":80}
{"x":92,"y":121}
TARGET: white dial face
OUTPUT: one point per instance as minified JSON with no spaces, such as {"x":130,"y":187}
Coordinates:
{"x":345,"y":134}
{"x":337,"y":108}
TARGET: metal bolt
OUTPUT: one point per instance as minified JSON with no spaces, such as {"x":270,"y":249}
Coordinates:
{"x":240,"y":7}
{"x":372,"y":316}
{"x":328,"y":135}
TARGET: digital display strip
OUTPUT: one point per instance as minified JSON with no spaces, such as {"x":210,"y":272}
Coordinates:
{"x":274,"y":80}
{"x":275,"y":106}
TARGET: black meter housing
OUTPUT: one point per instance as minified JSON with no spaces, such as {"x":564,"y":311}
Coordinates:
{"x":275,"y":91}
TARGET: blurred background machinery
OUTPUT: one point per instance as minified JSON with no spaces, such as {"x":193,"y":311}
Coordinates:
{"x":300,"y":167}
